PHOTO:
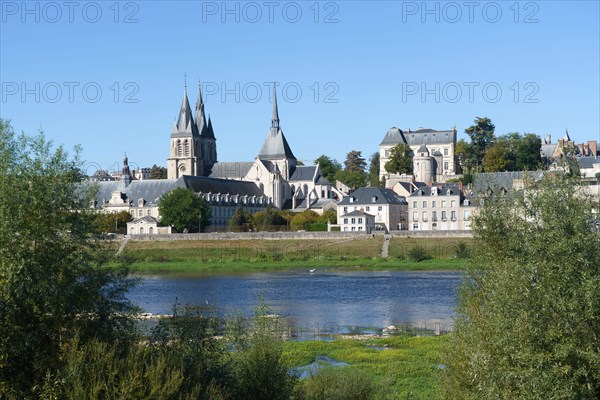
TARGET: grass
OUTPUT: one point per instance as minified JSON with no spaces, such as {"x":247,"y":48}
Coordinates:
{"x":409,"y":368}
{"x":244,"y":255}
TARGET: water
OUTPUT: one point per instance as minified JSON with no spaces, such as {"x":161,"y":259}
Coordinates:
{"x":338,"y":301}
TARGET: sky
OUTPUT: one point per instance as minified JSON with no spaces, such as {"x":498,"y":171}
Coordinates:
{"x":109,"y":75}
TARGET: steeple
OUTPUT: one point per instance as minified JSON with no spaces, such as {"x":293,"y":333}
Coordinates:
{"x":209,"y":129}
{"x":125,"y":174}
{"x":185,"y":124}
{"x":275,"y":116}
{"x":199,"y":115}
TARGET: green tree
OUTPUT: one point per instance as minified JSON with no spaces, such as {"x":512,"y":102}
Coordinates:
{"x":482,"y":136}
{"x":352,"y":179}
{"x":240,"y":220}
{"x":529,"y":308}
{"x":112,"y":222}
{"x":498,"y":158}
{"x":374,"y":180}
{"x":157,"y":172}
{"x":355,"y":162}
{"x":329,"y":167}
{"x":528,"y":156}
{"x":269,"y":219}
{"x":328,"y":216}
{"x":300,"y":220}
{"x":400,"y":161}
{"x":54,"y":282}
{"x":184,"y":210}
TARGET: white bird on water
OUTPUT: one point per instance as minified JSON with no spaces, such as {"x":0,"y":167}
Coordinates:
{"x":312,"y":270}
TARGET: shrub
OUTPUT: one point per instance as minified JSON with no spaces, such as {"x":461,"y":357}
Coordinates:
{"x":338,"y":384}
{"x":418,"y":253}
{"x":461,"y":250}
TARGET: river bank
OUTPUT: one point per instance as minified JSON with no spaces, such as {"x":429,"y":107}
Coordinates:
{"x":223,"y":256}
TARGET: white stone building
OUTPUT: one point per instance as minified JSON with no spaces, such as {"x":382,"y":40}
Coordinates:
{"x":388,"y":210}
{"x":440,"y":207}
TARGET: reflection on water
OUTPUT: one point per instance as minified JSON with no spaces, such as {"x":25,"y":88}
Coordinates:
{"x":323,"y":300}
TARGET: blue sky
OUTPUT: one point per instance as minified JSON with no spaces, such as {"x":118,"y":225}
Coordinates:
{"x":109,"y":76}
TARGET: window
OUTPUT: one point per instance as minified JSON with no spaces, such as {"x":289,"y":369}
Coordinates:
{"x":387,"y":153}
{"x":445,"y":152}
{"x":453,"y":215}
{"x":360,"y":228}
{"x":345,"y":220}
{"x":179,"y":149}
{"x":434,"y":215}
{"x":414,"y":204}
{"x":353,"y":221}
{"x":424,"y":215}
{"x":467,"y":214}
{"x":415,"y":216}
{"x":345,"y":209}
{"x":443,"y":215}
{"x":186,"y":145}
{"x":453,"y":203}
{"x":415,"y":227}
{"x":353,"y":228}
{"x":373,"y":199}
{"x":151,"y":230}
{"x":368,"y":208}
{"x":148,"y":212}
{"x":380,"y":208}
{"x":434,"y":226}
{"x":360,"y":220}
{"x":443,"y":203}
{"x":425,"y":204}
{"x":141,"y":230}
{"x":446,"y":165}
{"x":351,"y":199}
{"x":433,"y":204}
{"x":346,"y":229}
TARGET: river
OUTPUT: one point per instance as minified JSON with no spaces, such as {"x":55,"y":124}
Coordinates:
{"x":348,"y":301}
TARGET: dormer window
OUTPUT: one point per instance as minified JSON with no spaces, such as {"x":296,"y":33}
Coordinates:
{"x":373,"y":199}
{"x":351,"y":199}
{"x":141,"y":202}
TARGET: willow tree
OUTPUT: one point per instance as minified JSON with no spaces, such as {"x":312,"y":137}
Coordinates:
{"x":528,"y":321}
{"x":54,"y":282}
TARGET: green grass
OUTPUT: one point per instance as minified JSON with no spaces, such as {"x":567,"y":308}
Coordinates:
{"x":408,"y":369}
{"x":252,"y":255}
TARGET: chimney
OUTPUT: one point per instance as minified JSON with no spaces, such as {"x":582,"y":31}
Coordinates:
{"x":460,"y":186}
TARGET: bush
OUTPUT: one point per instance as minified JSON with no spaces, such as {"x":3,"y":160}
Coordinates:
{"x":418,"y":253}
{"x":461,"y":250}
{"x":338,"y":384}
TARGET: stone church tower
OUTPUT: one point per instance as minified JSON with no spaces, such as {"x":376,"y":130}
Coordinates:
{"x":193,"y":149}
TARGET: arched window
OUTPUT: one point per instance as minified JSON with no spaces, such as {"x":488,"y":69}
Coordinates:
{"x":186,"y":145}
{"x":141,"y":230}
{"x":179,"y":152}
{"x":132,"y":231}
{"x":151,"y":230}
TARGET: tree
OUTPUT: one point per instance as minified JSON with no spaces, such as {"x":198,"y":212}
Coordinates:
{"x":528,"y":156}
{"x":55,"y":284}
{"x":355,"y":162}
{"x":240,"y":219}
{"x":529,"y":308}
{"x":112,"y":222}
{"x":328,"y":216}
{"x":498,"y":158}
{"x":329,"y":167}
{"x":482,"y":136}
{"x":157,"y":172}
{"x":300,"y":220}
{"x":374,"y":160}
{"x":269,"y":218}
{"x":184,"y":210}
{"x":400,"y":161}
{"x":352,"y":179}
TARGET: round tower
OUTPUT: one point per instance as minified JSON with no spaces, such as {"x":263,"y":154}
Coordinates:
{"x":423,"y":165}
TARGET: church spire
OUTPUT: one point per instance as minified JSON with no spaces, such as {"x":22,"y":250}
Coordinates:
{"x":185,"y":123}
{"x":275,"y":117}
{"x":199,"y":115}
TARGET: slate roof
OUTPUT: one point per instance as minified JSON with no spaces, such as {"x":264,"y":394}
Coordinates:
{"x":393,"y":136}
{"x":303,"y":173}
{"x":356,"y":213}
{"x":441,"y":192}
{"x":185,"y":125}
{"x":151,"y":190}
{"x":275,"y":146}
{"x":145,"y":218}
{"x":365,"y":196}
{"x":587,"y":162}
{"x":547,"y":150}
{"x":497,"y":180}
{"x":231,"y":170}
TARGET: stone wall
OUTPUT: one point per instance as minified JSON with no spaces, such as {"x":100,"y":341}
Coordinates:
{"x":295,"y":235}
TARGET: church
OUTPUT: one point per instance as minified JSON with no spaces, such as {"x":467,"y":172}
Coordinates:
{"x":273,"y":178}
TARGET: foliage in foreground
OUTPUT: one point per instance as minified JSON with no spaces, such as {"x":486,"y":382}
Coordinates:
{"x":54,"y":285}
{"x":184,"y":210}
{"x":529,"y":310}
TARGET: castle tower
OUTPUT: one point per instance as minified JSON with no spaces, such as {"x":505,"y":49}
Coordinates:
{"x":184,"y":155}
{"x":423,"y":165}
